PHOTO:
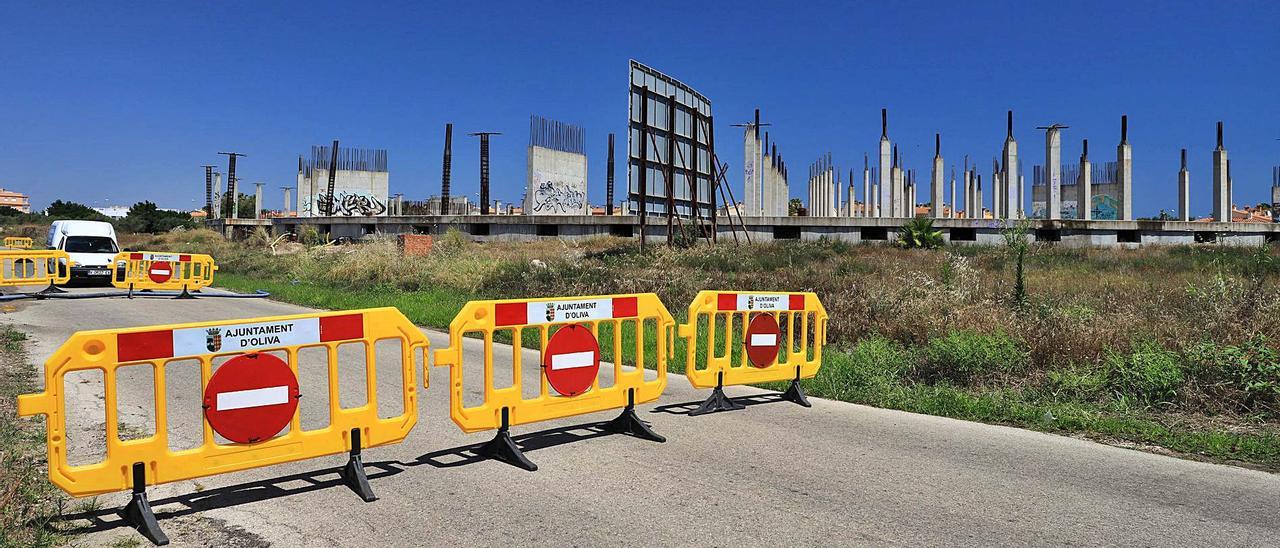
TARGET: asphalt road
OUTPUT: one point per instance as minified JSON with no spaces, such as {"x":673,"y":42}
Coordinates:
{"x":773,"y":474}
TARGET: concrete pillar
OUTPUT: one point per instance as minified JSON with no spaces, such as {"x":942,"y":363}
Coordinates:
{"x":809,"y":192}
{"x":1022,"y":183}
{"x":1124,"y":171}
{"x":1184,"y":190}
{"x":1221,"y":192}
{"x":952,"y":213}
{"x":938,"y":194}
{"x":968,"y":189}
{"x":288,"y":199}
{"x":896,"y":187}
{"x":217,"y":194}
{"x":1053,"y":170}
{"x":1084,"y":186}
{"x":852,"y":198}
{"x":866,"y":187}
{"x":751,"y":171}
{"x":257,"y":200}
{"x":977,"y":197}
{"x":833,"y":190}
{"x":997,"y":194}
{"x":899,"y":187}
{"x":1010,"y":181}
{"x":884,"y":199}
{"x":766,"y":180}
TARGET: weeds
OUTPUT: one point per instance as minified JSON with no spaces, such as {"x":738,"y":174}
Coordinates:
{"x":28,"y":502}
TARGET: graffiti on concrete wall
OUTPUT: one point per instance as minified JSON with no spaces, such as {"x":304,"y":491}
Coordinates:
{"x":347,"y":204}
{"x":559,"y":198}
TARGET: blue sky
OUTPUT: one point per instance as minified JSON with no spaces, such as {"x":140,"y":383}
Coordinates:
{"x":116,"y":103}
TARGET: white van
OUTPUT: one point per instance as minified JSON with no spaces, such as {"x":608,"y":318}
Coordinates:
{"x":91,"y":245}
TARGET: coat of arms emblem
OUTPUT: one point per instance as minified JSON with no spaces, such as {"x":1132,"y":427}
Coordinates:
{"x":551,"y":312}
{"x":751,"y":302}
{"x":213,"y":339}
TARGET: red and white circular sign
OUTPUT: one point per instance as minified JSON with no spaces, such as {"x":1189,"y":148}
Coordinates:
{"x":251,"y":398}
{"x":762,"y":339}
{"x":160,"y":272}
{"x":571,"y":360}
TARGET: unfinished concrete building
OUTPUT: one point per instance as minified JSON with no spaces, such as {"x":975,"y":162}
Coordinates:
{"x":357,"y":187}
{"x":557,"y":169}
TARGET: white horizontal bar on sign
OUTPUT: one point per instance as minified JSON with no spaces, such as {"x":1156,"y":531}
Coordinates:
{"x":764,"y":339}
{"x":573,"y":360}
{"x":257,"y":397}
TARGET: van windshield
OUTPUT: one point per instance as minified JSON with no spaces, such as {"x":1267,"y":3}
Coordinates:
{"x":89,"y":244}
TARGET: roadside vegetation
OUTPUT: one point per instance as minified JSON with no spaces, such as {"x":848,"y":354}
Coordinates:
{"x":1175,"y":348}
{"x":28,"y":502}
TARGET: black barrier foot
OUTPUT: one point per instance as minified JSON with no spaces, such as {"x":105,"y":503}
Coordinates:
{"x":353,"y":473}
{"x":185,"y":294}
{"x":138,"y":512}
{"x":503,"y":448}
{"x":51,"y":289}
{"x":794,"y":393}
{"x":717,"y":401}
{"x":628,"y":423}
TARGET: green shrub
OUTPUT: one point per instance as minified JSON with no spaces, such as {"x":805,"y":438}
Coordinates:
{"x":1251,"y":370}
{"x":1076,"y":383}
{"x":966,"y":356}
{"x":873,"y":365}
{"x":1149,"y":373}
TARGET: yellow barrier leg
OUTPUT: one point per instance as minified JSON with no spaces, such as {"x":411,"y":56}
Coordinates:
{"x":717,"y":401}
{"x":630,"y":424}
{"x":503,"y":448}
{"x":138,"y":512}
{"x":353,"y":473}
{"x":794,"y":393}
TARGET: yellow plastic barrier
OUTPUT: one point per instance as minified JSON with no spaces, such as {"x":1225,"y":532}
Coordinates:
{"x":752,"y":337}
{"x":17,"y":242}
{"x":568,"y":332}
{"x":152,"y":270}
{"x":261,"y":396}
{"x":34,"y":267}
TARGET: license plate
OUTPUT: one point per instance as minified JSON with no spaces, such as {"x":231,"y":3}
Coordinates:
{"x":99,"y":272}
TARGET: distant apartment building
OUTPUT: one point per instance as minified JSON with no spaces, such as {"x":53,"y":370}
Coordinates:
{"x":16,"y":200}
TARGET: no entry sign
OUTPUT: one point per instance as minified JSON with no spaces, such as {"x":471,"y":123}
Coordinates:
{"x":160,"y":272}
{"x":571,"y":360}
{"x":762,"y":340}
{"x":251,"y":398}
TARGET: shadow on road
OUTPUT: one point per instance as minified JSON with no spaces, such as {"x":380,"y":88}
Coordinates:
{"x":103,"y":519}
{"x":685,"y":408}
{"x":533,"y":441}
